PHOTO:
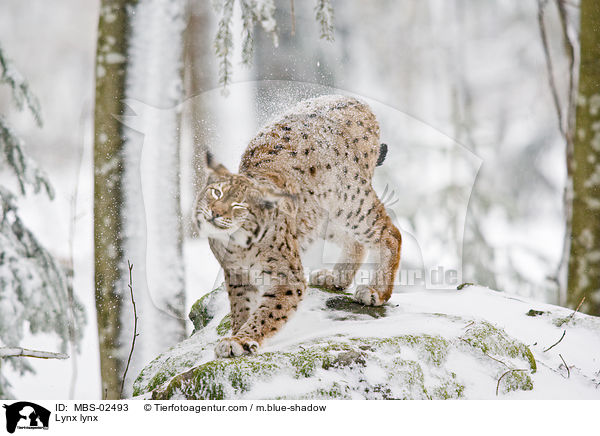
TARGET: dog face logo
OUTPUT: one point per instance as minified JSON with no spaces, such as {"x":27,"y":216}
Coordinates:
{"x":26,"y":415}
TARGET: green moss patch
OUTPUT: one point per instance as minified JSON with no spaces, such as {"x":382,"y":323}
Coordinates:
{"x":495,"y":343}
{"x":349,"y":305}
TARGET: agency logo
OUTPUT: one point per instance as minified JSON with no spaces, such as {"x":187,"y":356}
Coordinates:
{"x":26,"y":415}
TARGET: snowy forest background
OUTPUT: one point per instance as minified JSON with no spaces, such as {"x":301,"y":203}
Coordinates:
{"x":461,"y":89}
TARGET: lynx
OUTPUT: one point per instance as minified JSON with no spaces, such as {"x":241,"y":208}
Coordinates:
{"x":313,"y":164}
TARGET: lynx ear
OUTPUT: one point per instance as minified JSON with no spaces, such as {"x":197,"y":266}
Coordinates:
{"x":214,"y":170}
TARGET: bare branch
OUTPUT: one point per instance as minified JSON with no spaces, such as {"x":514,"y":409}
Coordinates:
{"x":293,"y":13}
{"x":71,"y":268}
{"x":24,"y":352}
{"x":569,"y":148}
{"x":545,"y":45}
{"x":570,"y":317}
{"x":135,"y":321}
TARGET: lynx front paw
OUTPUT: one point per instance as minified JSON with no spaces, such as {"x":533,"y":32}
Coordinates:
{"x":233,"y":347}
{"x":328,"y":279}
{"x":368,"y":296}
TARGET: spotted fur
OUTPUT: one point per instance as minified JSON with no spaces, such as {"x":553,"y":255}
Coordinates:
{"x":313,"y":164}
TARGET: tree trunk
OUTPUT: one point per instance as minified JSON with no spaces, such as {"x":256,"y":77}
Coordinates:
{"x":108,"y":175}
{"x":198,"y":79}
{"x":137,"y":198}
{"x":584,"y":260}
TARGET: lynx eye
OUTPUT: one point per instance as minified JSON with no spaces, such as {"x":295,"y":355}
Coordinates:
{"x":216,"y":193}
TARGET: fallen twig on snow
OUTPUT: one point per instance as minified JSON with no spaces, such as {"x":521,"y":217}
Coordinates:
{"x":557,"y":342}
{"x":469,"y":325}
{"x":566,"y":366}
{"x":486,"y":354}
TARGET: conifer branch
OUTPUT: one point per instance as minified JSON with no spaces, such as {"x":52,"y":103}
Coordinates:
{"x":21,"y":93}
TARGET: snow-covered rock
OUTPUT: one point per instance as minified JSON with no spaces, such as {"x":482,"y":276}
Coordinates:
{"x":471,"y":343}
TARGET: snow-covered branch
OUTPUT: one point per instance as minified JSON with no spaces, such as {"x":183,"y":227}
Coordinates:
{"x":20,"y":89}
{"x":25,"y":169}
{"x":324,"y":15}
{"x":33,"y":290}
{"x":32,"y":285}
{"x":24,"y":352}
{"x":224,"y":41}
{"x":256,"y":12}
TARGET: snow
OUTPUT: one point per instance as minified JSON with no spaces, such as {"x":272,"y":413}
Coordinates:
{"x":451,"y":315}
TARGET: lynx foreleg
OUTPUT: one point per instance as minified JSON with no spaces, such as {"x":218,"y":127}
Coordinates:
{"x":276,"y":307}
{"x":285,"y":286}
{"x":242,"y":300}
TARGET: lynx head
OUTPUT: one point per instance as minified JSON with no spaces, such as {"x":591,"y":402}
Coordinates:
{"x":236,"y":207}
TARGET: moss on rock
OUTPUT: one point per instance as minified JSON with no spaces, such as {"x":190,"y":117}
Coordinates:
{"x":224,"y":326}
{"x":495,"y":342}
{"x":349,"y":305}
{"x":350,"y":363}
{"x":515,"y":380}
{"x":203,"y":311}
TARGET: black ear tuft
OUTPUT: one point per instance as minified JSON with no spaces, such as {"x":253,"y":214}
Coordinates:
{"x":214,"y":169}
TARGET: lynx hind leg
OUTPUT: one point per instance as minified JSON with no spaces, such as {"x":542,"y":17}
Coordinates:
{"x":342,"y":275}
{"x":381,"y":235}
{"x":234,"y":347}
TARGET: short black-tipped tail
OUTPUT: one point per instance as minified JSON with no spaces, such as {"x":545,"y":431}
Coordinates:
{"x":382,"y":154}
{"x":210,"y":160}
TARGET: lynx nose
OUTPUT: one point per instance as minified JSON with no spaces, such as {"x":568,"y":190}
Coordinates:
{"x":218,"y":209}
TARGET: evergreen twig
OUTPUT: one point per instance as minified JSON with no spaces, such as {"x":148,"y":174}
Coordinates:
{"x":21,"y":93}
{"x":324,"y":15}
{"x":254,"y":13}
